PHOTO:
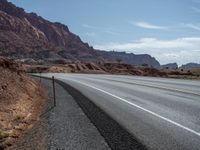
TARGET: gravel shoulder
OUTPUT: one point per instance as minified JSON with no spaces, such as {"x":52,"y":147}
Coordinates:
{"x":69,"y":128}
{"x":64,"y":127}
{"x":76,"y":123}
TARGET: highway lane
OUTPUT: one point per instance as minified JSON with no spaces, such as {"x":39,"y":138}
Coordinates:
{"x":161,"y":113}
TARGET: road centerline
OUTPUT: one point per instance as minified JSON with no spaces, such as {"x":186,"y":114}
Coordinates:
{"x":141,"y":108}
{"x":152,"y":86}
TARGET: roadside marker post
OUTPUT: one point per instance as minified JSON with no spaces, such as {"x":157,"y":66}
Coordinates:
{"x":40,"y":77}
{"x":54,"y":94}
{"x":54,"y":98}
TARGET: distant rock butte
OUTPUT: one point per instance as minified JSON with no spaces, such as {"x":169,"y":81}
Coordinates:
{"x":129,"y":58}
{"x":190,"y":65}
{"x":170,"y":66}
{"x":29,"y":36}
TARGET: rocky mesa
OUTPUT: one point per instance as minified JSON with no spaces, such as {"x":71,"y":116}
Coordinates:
{"x":28,"y":36}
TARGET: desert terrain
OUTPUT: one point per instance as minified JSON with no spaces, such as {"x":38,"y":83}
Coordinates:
{"x":22,"y":100}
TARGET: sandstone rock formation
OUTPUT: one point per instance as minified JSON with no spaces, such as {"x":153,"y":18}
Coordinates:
{"x":27,"y":36}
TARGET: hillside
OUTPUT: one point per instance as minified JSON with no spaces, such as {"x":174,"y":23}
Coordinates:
{"x":24,"y":100}
{"x":27,"y":36}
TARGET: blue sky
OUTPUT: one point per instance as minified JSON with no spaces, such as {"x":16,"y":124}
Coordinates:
{"x":169,"y":30}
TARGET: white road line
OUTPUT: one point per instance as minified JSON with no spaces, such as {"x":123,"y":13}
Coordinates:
{"x":151,"y":86}
{"x":135,"y":105}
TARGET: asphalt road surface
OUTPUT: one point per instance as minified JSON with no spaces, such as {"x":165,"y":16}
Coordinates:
{"x":161,"y":113}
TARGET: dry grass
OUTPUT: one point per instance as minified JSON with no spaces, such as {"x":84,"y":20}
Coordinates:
{"x":22,"y":100}
{"x":3,"y":134}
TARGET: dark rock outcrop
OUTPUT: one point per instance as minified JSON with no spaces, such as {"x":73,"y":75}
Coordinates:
{"x":130,"y":58}
{"x":170,"y":66}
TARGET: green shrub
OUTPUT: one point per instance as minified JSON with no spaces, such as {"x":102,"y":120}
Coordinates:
{"x":19,"y":117}
{"x":145,"y":65}
{"x":3,"y":134}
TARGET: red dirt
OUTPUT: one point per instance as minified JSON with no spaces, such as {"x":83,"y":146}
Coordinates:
{"x":103,"y":68}
{"x":21,"y":101}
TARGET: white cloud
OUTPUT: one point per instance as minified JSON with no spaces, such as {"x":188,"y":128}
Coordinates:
{"x":153,"y":43}
{"x":180,"y":50}
{"x":148,"y":25}
{"x":195,"y":27}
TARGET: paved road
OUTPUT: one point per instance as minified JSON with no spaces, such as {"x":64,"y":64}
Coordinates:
{"x":161,"y":113}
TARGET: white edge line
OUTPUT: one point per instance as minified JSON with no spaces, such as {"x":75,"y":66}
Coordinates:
{"x":146,"y":110}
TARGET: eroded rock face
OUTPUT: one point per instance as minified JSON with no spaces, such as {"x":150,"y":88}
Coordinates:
{"x":19,"y":36}
{"x":22,"y":33}
{"x":31,"y":37}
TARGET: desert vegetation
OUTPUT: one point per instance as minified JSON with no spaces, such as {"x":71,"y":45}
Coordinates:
{"x":22,"y":99}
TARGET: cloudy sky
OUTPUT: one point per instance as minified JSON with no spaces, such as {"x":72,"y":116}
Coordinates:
{"x":169,"y":30}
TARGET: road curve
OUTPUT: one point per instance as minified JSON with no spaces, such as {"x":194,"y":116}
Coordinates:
{"x":161,"y":113}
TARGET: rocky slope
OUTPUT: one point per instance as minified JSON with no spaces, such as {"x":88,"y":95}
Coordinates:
{"x":21,"y":102}
{"x":24,"y":35}
{"x":31,"y":37}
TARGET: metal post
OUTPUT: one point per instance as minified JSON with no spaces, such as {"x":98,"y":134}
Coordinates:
{"x":54,"y":94}
{"x":40,"y":77}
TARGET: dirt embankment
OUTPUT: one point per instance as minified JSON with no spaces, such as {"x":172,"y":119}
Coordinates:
{"x":96,"y":68}
{"x":113,"y":68}
{"x":22,"y":100}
